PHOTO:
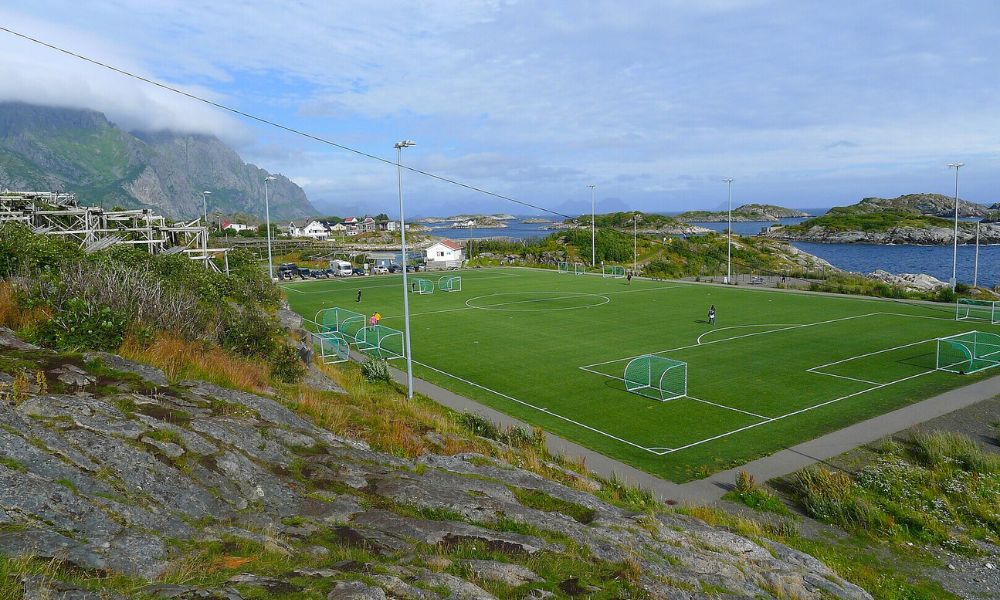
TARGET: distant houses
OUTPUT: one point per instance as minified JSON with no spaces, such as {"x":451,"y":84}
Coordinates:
{"x":444,"y":254}
{"x":351,"y":226}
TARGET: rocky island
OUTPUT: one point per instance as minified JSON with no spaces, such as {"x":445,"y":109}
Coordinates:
{"x":745,"y":213}
{"x":918,"y":219}
{"x":648,"y":223}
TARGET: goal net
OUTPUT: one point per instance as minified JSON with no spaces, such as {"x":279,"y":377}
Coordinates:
{"x":339,"y":320}
{"x":656,"y":377}
{"x":564,"y":267}
{"x":579,"y":268}
{"x":450,"y":283}
{"x":333,"y":347}
{"x":968,"y":352}
{"x":614,"y":271}
{"x":422,"y":286}
{"x":379,"y":340}
{"x":977,"y":310}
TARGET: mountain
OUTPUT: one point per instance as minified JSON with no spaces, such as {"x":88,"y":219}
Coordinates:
{"x":63,"y":149}
{"x":747,"y":212}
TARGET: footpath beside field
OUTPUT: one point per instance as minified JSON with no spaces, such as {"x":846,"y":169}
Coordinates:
{"x":711,"y":489}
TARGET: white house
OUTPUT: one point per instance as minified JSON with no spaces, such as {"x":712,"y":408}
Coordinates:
{"x":388,"y":225}
{"x":368,"y":225}
{"x":237,"y":227}
{"x":338,"y":228}
{"x":351,"y":223}
{"x":308,"y":228}
{"x":443,"y":255}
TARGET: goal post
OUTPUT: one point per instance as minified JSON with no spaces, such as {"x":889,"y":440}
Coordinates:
{"x":977,"y":310}
{"x":579,"y":268}
{"x":379,"y":340}
{"x":419,"y":285}
{"x":340,"y":320}
{"x":967,"y":353}
{"x":563,"y":267}
{"x":334,"y":347}
{"x":656,"y":377}
{"x":613,"y":271}
{"x":450,"y":283}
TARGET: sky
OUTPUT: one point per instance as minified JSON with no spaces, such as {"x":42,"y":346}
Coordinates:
{"x":804,"y":103}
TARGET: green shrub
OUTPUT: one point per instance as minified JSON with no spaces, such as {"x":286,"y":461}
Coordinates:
{"x":286,"y":365}
{"x":375,"y":369}
{"x":82,"y":326}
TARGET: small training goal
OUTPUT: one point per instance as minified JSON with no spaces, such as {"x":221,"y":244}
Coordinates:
{"x":339,"y":320}
{"x":656,"y":377}
{"x":379,"y":340}
{"x":333,"y":347}
{"x":613,"y":271}
{"x":579,"y":268}
{"x":450,"y":283}
{"x":968,"y":352}
{"x":977,"y":310}
{"x":564,"y":267}
{"x":420,"y":285}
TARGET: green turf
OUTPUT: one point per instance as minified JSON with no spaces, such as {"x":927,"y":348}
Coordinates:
{"x":516,"y":339}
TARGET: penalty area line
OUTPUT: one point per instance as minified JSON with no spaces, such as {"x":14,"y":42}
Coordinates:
{"x":538,"y":408}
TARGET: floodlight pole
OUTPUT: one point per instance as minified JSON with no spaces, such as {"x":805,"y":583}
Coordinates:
{"x":975,"y":271}
{"x":729,"y":252}
{"x":406,"y":300}
{"x":635,"y":243}
{"x":204,"y":205}
{"x":593,"y":229}
{"x":267,"y":219}
{"x":954,"y":254}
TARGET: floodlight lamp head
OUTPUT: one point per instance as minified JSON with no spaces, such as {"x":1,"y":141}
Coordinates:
{"x":207,"y":193}
{"x":955,"y":165}
{"x":405,"y":144}
{"x":270,"y":178}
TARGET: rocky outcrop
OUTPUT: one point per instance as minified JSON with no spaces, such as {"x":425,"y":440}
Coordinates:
{"x":745,"y":213}
{"x":989,"y":233}
{"x":912,"y":281}
{"x":113,"y":471}
{"x":937,"y":205}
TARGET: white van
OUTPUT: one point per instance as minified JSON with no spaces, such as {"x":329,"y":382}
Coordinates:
{"x":341,"y":268}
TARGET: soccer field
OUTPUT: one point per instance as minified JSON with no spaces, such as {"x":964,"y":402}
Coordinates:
{"x":776,"y":369}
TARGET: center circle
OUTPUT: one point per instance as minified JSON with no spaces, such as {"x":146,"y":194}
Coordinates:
{"x":536,"y":301}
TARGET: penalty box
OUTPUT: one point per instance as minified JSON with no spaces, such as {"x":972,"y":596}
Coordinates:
{"x":761,"y":372}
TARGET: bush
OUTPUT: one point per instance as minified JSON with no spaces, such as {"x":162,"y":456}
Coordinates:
{"x":375,"y":369}
{"x":82,"y":325}
{"x":286,"y":365}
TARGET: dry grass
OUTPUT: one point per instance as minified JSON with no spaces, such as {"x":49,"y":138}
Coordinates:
{"x":185,"y":359}
{"x":12,"y":314}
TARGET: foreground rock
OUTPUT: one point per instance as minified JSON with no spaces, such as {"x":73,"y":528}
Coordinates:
{"x":135,"y":477}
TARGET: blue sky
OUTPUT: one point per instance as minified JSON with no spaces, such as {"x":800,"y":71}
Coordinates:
{"x":805,"y":104}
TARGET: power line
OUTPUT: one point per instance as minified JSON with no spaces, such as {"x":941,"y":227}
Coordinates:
{"x":277,"y":125}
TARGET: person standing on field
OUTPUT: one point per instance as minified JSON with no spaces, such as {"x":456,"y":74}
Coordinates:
{"x":711,"y":315}
{"x":359,"y":296}
{"x":629,"y":278}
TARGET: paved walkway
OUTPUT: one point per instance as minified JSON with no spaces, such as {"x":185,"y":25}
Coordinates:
{"x":713,"y":487}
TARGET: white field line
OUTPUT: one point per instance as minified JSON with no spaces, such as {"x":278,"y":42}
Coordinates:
{"x":538,"y":408}
{"x":746,"y":412}
{"x":735,"y":337}
{"x":576,"y":295}
{"x":867,"y":354}
{"x":698,"y":341}
{"x":844,"y":377}
{"x":796,"y":412}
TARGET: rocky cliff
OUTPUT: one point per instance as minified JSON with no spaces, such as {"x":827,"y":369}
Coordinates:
{"x":745,"y":213}
{"x":188,"y":490}
{"x":43,"y":148}
{"x":930,"y":235}
{"x":937,"y":205}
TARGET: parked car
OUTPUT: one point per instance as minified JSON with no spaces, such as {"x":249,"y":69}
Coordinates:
{"x":380,"y":270}
{"x":394,"y":268}
{"x":358,"y":271}
{"x":305,"y":272}
{"x":287,"y":270}
{"x":341,"y":268}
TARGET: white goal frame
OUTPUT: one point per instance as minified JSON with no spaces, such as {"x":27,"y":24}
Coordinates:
{"x":579,"y":268}
{"x":977,"y":310}
{"x":980,"y":351}
{"x":450,"y":283}
{"x":422,"y":285}
{"x":653,"y":370}
{"x":613,"y":271}
{"x":563,"y":267}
